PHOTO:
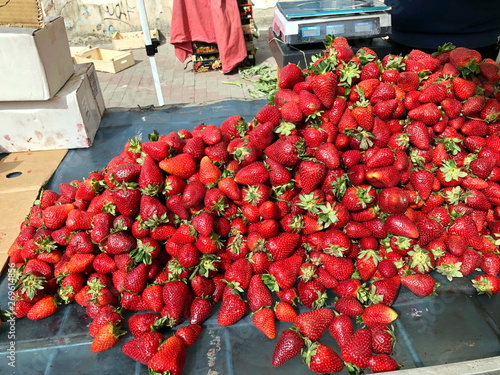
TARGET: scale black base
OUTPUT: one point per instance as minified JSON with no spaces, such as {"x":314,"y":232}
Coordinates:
{"x":301,"y":54}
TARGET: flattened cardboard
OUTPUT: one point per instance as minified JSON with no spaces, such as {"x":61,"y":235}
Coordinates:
{"x":68,"y":120}
{"x":21,"y":177}
{"x":21,"y":13}
{"x":34,"y":63}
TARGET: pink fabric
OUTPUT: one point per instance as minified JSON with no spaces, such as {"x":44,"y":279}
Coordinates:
{"x":209,"y":21}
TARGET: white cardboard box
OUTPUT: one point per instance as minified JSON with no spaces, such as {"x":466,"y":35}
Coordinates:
{"x":68,"y":120}
{"x":34,"y":63}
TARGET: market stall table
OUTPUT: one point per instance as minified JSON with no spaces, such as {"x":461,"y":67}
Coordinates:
{"x":455,"y":326}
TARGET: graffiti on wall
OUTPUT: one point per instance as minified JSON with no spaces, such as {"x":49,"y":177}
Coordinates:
{"x":101,"y":18}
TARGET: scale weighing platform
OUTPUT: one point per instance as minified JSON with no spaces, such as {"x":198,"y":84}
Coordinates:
{"x":304,"y":22}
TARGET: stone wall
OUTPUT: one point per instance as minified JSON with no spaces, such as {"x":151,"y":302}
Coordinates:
{"x":92,"y":22}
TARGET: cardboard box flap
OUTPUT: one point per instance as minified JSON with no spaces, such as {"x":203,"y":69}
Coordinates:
{"x":22,"y":13}
{"x":21,"y":177}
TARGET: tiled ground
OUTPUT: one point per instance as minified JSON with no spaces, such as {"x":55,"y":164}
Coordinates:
{"x":134,"y":86}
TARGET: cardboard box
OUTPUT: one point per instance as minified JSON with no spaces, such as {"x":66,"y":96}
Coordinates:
{"x":21,"y":13}
{"x":132,"y":40}
{"x":202,"y":48}
{"x":202,"y":64}
{"x":105,"y":60}
{"x":34,"y":63}
{"x":246,"y":10}
{"x":69,"y":120}
{"x":22,"y":174}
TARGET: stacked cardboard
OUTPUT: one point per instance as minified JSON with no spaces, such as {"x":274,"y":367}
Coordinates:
{"x":46,"y":102}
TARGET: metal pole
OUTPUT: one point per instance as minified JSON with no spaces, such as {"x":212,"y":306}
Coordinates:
{"x":147,"y":41}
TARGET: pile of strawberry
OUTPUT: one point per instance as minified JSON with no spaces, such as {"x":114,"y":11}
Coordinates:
{"x":361,"y":175}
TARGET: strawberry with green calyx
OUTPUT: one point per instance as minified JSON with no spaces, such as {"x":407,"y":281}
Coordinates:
{"x":449,"y":266}
{"x":486,"y":284}
{"x":106,"y":338}
{"x":69,"y":285}
{"x":383,"y":338}
{"x":422,"y":285}
{"x":258,"y":295}
{"x":151,"y":180}
{"x":312,"y":294}
{"x":324,"y":81}
{"x":320,"y":358}
{"x":147,"y":249}
{"x":421,"y":260}
{"x":175,"y":295}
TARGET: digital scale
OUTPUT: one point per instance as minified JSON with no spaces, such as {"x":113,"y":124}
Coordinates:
{"x":305,"y":22}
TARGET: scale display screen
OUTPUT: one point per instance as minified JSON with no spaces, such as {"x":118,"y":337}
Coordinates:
{"x":335,"y":29}
{"x":363,"y":27}
{"x":311,"y":31}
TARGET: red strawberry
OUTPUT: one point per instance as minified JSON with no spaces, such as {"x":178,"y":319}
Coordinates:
{"x":401,"y":225}
{"x":170,"y":357}
{"x":341,"y":328}
{"x":289,"y":76}
{"x":386,"y":289}
{"x":312,"y":324}
{"x":269,"y":113}
{"x":264,"y":320}
{"x":383,"y":363}
{"x":175,"y":295}
{"x":378,"y":314}
{"x":285,"y":312}
{"x":106,"y":338}
{"x":349,"y":306}
{"x":289,"y":344}
{"x":486,"y":284}
{"x":153,"y":297}
{"x":312,"y":175}
{"x":258,"y":294}
{"x":282,"y":245}
{"x":285,"y":150}
{"x":383,"y":338}
{"x":201,"y":309}
{"x":358,"y":348}
{"x":151,"y":179}
{"x":54,"y":217}
{"x":463,"y":88}
{"x":181,"y":165}
{"x":189,"y":334}
{"x":322,"y":359}
{"x":235,"y":126}
{"x":324,"y":86}
{"x":43,"y":308}
{"x":143,"y":347}
{"x":254,"y":173}
{"x":428,"y":113}
{"x":422,"y":285}
{"x":233,"y":308}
